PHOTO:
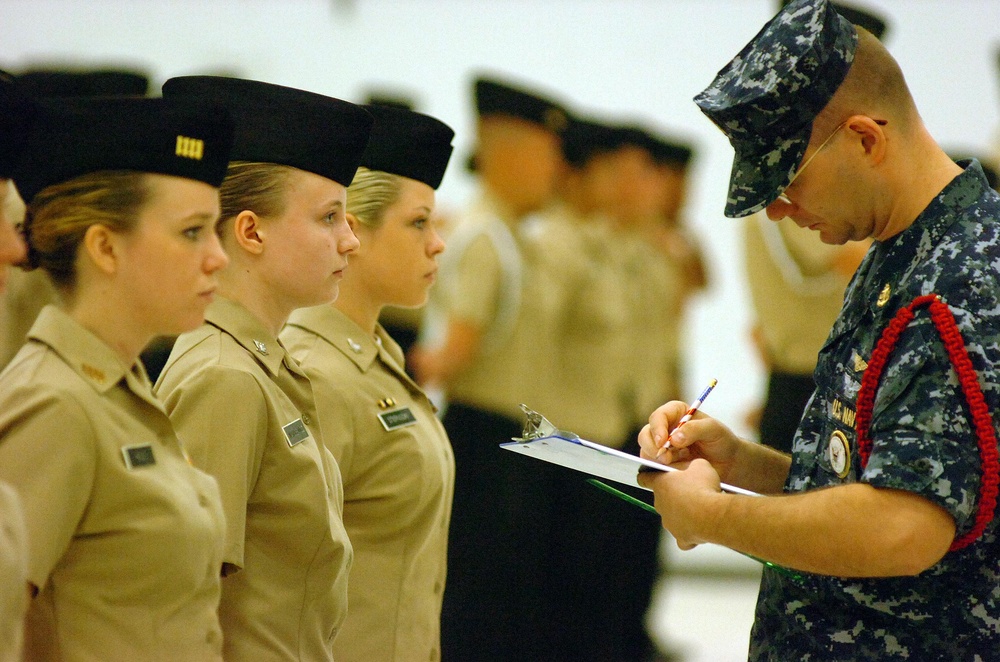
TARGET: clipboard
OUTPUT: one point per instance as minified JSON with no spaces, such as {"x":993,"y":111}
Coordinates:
{"x":543,"y":441}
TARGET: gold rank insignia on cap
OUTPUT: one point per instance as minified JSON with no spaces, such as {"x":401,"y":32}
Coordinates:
{"x":94,"y":373}
{"x":385,"y":403}
{"x":883,"y":296}
{"x":261,"y":347}
{"x":190,"y":148}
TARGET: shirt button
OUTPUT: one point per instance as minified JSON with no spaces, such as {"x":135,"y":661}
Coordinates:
{"x":202,"y":501}
{"x":437,"y":587}
{"x":306,"y":419}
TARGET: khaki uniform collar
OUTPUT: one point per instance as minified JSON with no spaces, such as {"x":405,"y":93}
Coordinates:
{"x":352,"y":341}
{"x":89,"y":356}
{"x":235,"y":320}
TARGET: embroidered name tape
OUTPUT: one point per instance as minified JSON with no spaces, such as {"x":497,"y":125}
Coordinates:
{"x":400,"y":418}
{"x":295,"y":432}
{"x":139,"y":455}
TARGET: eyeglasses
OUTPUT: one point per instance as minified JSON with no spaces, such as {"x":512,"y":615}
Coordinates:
{"x":784,"y":198}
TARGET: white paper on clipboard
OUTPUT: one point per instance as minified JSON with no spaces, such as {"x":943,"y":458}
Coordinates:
{"x":594,"y":459}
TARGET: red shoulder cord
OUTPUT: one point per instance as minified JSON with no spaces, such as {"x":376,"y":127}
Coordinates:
{"x":947,"y":328}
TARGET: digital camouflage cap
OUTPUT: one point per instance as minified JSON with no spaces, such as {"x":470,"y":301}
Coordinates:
{"x":766,"y":98}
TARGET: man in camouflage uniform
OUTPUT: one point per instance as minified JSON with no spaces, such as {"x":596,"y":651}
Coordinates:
{"x":898,"y":557}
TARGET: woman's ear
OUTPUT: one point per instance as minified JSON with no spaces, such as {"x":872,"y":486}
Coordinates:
{"x":102,"y":246}
{"x":248,"y":232}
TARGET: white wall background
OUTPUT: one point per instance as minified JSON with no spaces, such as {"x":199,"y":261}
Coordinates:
{"x":642,"y":58}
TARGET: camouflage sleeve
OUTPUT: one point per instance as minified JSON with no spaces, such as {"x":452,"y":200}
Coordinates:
{"x":922,"y":433}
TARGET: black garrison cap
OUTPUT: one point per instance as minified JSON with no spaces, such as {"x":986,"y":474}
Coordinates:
{"x":284,"y":125}
{"x":17,"y":112}
{"x":58,"y":83}
{"x":409,"y":144}
{"x":80,"y":136}
{"x":494,"y":97}
{"x":586,"y":138}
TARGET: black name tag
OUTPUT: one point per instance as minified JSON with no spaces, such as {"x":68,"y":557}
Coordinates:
{"x":295,"y":432}
{"x":393,"y":420}
{"x":140,"y":455}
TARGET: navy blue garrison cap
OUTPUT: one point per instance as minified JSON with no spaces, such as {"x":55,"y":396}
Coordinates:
{"x":284,"y":125}
{"x":17,"y":112}
{"x":75,"y":137}
{"x":766,"y":98}
{"x":495,"y":97}
{"x":409,"y":144}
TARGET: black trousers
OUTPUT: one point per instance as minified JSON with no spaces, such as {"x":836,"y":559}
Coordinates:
{"x":541,"y":565}
{"x":787,"y":397}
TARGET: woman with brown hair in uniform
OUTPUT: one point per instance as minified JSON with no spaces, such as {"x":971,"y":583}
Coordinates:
{"x":124,"y":535}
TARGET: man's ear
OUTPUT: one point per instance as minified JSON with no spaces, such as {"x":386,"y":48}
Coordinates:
{"x":101,"y":244}
{"x":248,"y":232}
{"x":872,"y":135}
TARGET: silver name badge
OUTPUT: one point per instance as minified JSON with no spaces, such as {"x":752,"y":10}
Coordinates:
{"x":400,"y":418}
{"x":295,"y":432}
{"x":140,"y":455}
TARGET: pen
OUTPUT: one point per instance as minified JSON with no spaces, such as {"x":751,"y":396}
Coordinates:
{"x":688,"y":414}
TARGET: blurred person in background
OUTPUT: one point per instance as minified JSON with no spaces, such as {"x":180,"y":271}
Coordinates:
{"x":486,"y":333}
{"x":797,"y":285}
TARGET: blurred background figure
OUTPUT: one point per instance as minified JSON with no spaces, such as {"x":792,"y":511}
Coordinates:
{"x":30,"y":291}
{"x":487,"y":334}
{"x":797,"y":288}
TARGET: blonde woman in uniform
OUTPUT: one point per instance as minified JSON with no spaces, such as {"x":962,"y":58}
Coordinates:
{"x":124,"y":535}
{"x":242,"y":401}
{"x":393,"y":452}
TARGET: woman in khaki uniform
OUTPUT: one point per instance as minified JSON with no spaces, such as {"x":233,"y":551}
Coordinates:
{"x":16,"y":114}
{"x":124,"y":535}
{"x":244,"y":403}
{"x":395,"y":457}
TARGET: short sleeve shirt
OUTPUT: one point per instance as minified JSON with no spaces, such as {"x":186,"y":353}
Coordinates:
{"x":922,"y":443}
{"x":399,"y":475}
{"x":13,"y":574}
{"x":586,"y":382}
{"x":125,"y":536}
{"x":246,"y":412}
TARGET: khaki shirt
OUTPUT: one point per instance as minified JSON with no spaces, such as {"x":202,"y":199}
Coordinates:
{"x":584,"y":387}
{"x":246,"y":411}
{"x":399,"y":474}
{"x":125,"y":535}
{"x":795,"y":290}
{"x":519,"y":326}
{"x":13,"y":574}
{"x":655,"y":294}
{"x":26,"y":294}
